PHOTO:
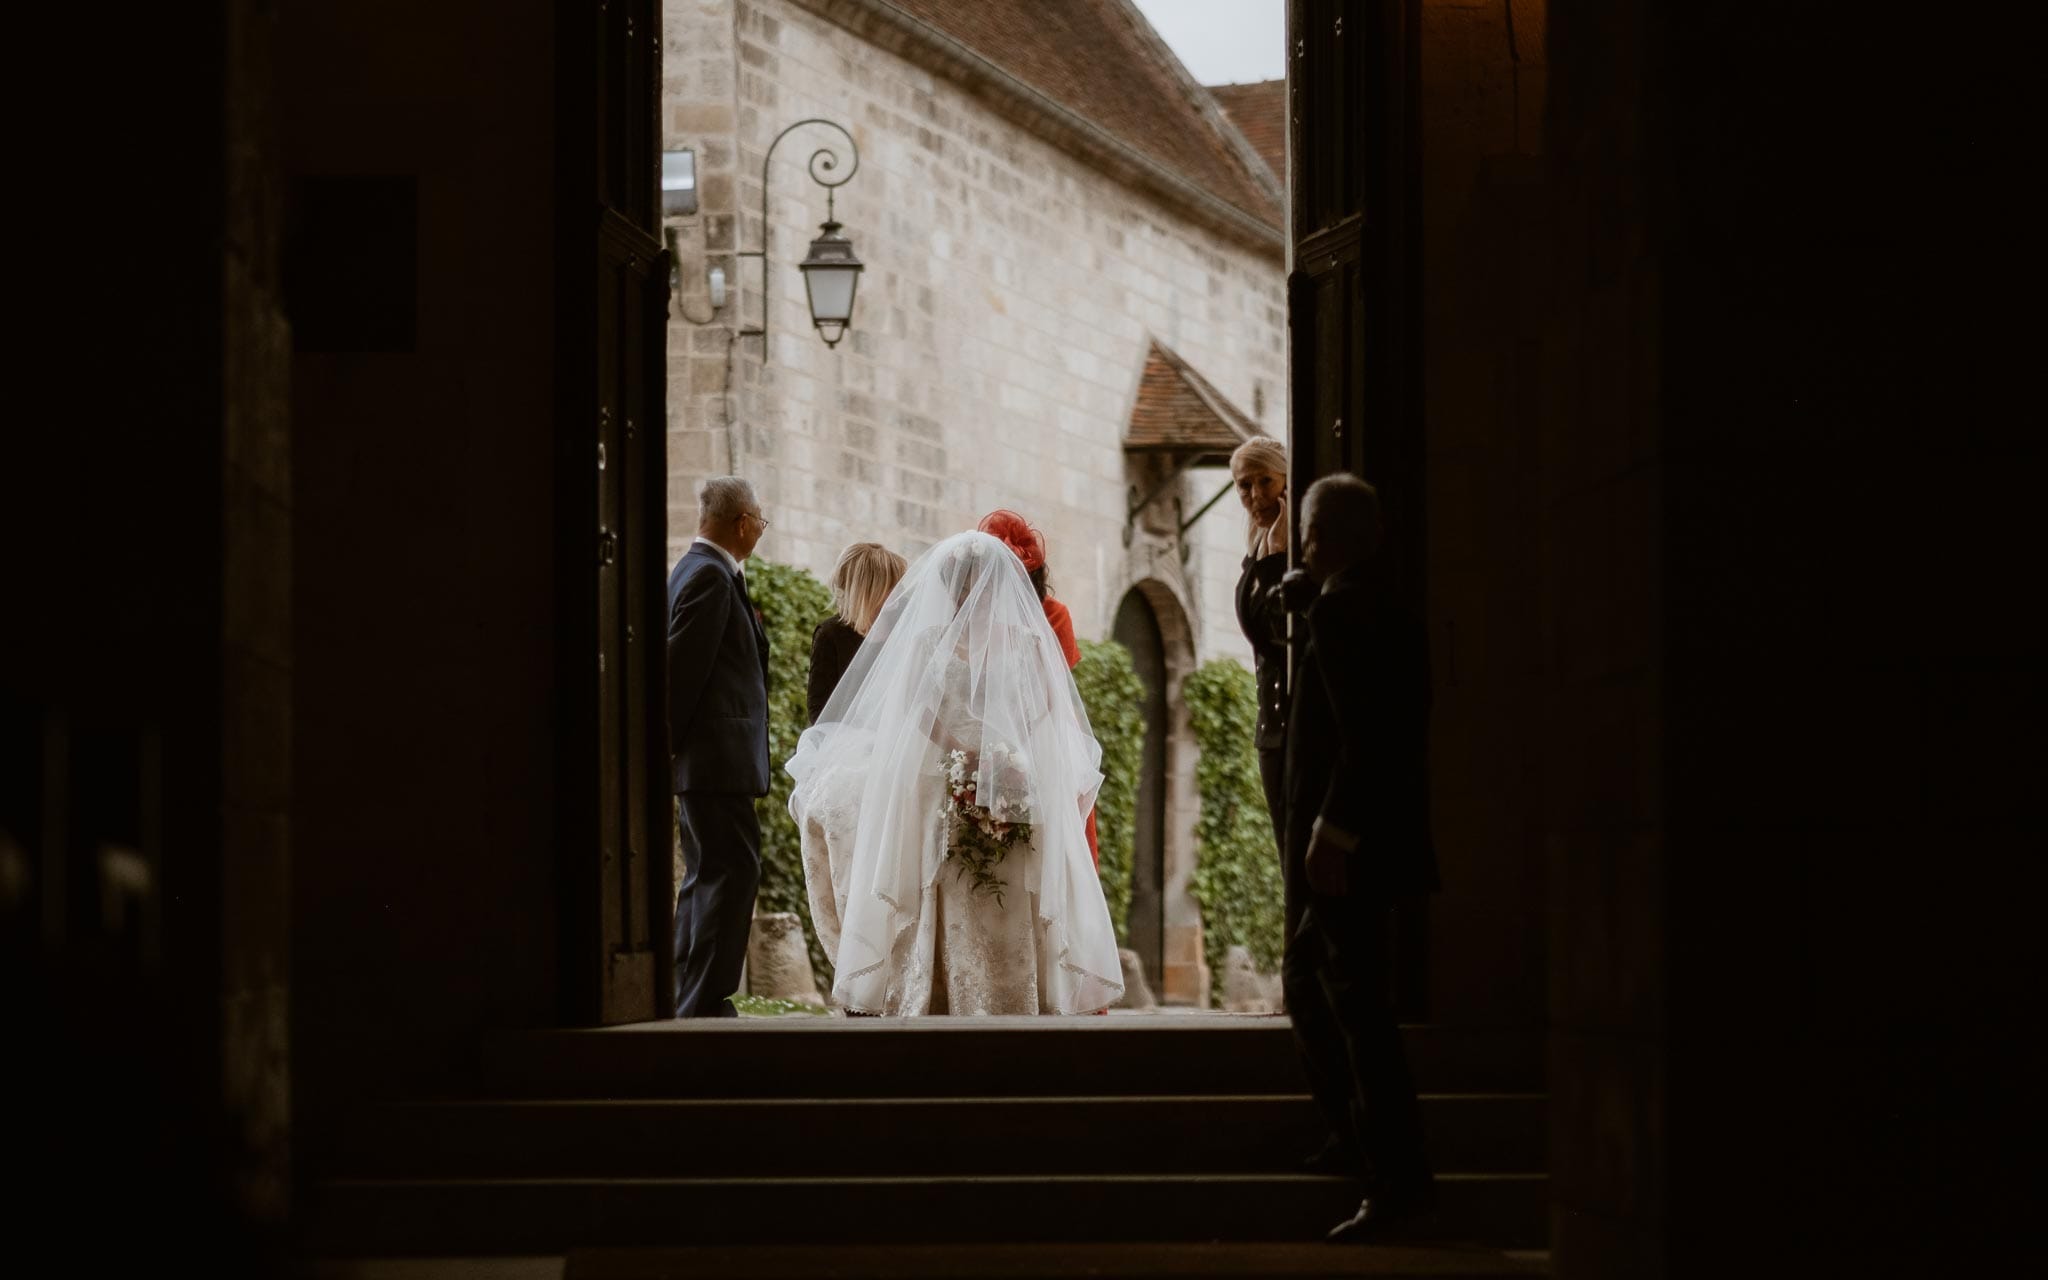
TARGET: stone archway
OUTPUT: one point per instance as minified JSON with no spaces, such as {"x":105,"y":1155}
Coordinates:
{"x":1165,"y":922}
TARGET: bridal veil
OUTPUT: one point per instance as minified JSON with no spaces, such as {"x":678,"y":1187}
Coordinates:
{"x":961,"y":659}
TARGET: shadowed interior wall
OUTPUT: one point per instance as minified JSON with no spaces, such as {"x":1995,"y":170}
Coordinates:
{"x":1481,"y":103}
{"x":423,"y":483}
{"x":1791,"y":692}
{"x":145,"y":657}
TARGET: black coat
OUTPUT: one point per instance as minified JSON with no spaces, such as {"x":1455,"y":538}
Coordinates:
{"x":1264,"y":623}
{"x":833,"y":645}
{"x":1358,"y":740}
{"x":717,"y":679}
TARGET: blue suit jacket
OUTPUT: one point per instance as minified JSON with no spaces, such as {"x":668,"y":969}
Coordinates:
{"x":717,"y":679}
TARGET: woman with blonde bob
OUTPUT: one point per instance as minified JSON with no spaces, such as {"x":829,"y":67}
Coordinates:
{"x":861,"y":582}
{"x":1259,"y":468}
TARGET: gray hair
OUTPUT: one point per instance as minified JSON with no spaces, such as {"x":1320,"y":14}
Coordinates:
{"x":1347,"y":510}
{"x":1259,"y":455}
{"x":724,"y":498}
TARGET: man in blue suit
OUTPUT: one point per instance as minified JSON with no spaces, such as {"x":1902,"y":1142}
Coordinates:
{"x":718,"y":744}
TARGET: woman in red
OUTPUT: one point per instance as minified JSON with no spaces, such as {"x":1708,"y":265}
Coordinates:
{"x":1016,"y":533}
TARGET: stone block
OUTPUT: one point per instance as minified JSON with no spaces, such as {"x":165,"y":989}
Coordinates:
{"x":707,"y":374}
{"x":697,"y":120}
{"x":1137,"y":992}
{"x":778,"y":962}
{"x":1245,"y":989}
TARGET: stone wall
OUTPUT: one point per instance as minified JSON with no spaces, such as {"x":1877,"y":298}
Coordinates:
{"x":999,"y":332}
{"x":427,"y":859}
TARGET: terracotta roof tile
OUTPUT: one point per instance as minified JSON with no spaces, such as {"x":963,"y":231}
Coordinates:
{"x":1259,"y":111}
{"x":1100,"y":60}
{"x":1178,"y":411}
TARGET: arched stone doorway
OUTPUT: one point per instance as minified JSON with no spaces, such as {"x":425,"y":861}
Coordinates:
{"x":1164,"y":924}
{"x":1137,"y":629}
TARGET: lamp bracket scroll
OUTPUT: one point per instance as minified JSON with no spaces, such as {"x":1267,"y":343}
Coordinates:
{"x":824,"y":170}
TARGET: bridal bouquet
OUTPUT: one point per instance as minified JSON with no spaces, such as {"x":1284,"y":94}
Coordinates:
{"x":983,"y":833}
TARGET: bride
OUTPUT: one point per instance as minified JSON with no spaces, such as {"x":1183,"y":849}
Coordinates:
{"x":941,"y":797}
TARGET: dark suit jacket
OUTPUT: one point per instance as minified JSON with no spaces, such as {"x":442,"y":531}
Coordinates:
{"x":1264,"y":623}
{"x":1358,"y":739}
{"x":833,"y":645}
{"x":717,"y":679}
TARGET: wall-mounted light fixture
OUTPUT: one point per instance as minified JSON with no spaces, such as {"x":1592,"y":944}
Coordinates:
{"x":678,"y":183}
{"x":831,"y":269}
{"x":714,"y":278}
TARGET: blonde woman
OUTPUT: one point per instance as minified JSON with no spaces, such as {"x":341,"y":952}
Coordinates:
{"x":1259,"y":468}
{"x":866,"y":573}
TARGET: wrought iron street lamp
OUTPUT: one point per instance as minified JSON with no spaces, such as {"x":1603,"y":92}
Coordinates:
{"x":831,"y":274}
{"x":831,"y":269}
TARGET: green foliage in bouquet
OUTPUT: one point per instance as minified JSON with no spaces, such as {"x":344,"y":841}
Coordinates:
{"x":1237,"y":869}
{"x":981,"y":837}
{"x":1115,"y":699}
{"x":792,"y":604}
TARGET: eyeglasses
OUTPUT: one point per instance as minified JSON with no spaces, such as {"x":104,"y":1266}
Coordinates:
{"x":759,"y":519}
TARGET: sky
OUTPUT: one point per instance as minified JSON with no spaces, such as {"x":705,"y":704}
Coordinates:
{"x":1224,"y":41}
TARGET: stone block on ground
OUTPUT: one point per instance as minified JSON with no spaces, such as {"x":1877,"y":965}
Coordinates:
{"x":1137,"y":992}
{"x":1245,"y":989}
{"x":778,"y":962}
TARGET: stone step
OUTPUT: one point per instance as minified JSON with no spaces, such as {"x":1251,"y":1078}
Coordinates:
{"x":1292,"y":1261}
{"x":368,"y":1218}
{"x":1468,"y":1133}
{"x":1162,"y":1054}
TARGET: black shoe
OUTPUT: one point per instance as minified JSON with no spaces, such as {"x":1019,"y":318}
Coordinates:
{"x":1382,"y":1216}
{"x":1334,"y":1159}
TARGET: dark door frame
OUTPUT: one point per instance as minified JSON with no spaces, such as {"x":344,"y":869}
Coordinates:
{"x":614,"y":817}
{"x":1354,"y":297}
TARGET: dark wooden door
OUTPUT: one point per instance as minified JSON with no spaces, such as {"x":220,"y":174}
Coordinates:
{"x":1354,"y":305}
{"x":612,"y":279}
{"x":1137,"y":629}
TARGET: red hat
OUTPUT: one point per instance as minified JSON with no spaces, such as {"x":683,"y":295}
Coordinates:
{"x":1017,"y":534}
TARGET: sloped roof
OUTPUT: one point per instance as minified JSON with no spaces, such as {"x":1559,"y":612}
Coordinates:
{"x":1178,"y":411}
{"x":1259,"y":110}
{"x":1101,"y":60}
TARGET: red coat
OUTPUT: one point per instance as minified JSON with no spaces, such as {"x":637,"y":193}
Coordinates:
{"x":1063,"y":627}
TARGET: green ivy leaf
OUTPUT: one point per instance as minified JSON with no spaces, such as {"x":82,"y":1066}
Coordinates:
{"x":1237,"y":877}
{"x":1115,"y":699}
{"x":792,"y":604}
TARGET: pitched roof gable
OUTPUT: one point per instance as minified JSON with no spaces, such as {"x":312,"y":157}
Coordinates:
{"x":1179,"y":411}
{"x":1101,"y":60}
{"x":1259,"y":110}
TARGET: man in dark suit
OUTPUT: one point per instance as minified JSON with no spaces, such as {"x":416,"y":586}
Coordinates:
{"x":718,"y":744}
{"x":1358,"y":841}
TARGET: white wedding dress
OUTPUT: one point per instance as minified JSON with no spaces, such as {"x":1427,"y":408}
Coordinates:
{"x":960,"y":660}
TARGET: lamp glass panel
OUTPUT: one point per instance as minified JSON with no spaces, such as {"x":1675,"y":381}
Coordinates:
{"x":831,"y":291}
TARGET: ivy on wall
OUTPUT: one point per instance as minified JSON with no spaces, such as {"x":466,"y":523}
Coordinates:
{"x":1115,"y":699}
{"x":1237,"y":870}
{"x":792,"y":604}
